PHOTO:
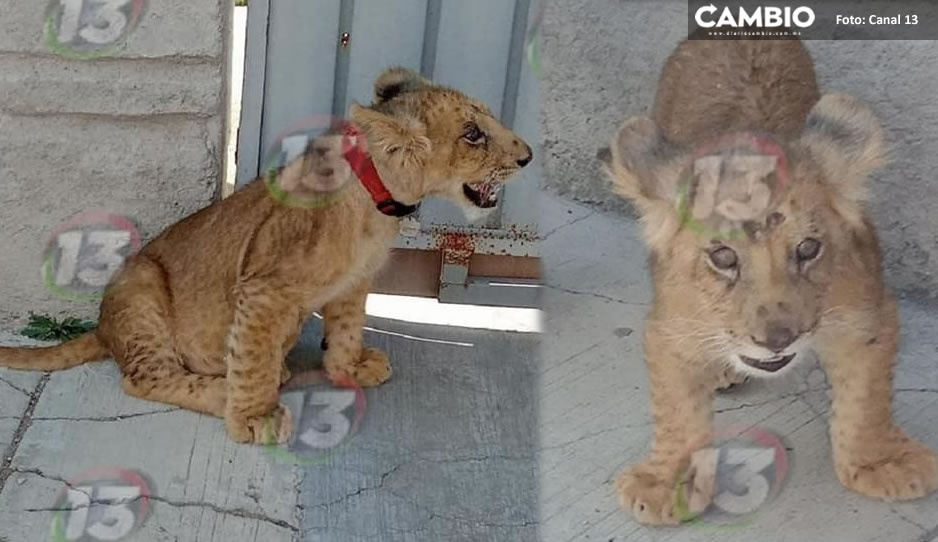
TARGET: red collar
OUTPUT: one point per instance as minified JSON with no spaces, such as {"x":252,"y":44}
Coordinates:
{"x":364,"y":167}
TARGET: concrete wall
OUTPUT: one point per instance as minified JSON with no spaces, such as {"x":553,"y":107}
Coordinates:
{"x":139,"y":133}
{"x":602,"y":59}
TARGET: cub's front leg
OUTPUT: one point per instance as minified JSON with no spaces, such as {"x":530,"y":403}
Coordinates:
{"x":255,"y":359}
{"x":343,"y":320}
{"x":872,"y":455}
{"x":682,"y":395}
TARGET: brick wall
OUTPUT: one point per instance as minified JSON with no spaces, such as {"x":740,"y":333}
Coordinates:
{"x":138,"y":132}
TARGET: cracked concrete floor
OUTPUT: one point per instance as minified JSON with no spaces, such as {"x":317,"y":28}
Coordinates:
{"x":445,"y":451}
{"x":595,"y":417}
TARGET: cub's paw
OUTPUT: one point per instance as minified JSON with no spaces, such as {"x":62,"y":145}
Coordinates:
{"x":275,"y":427}
{"x":909,"y":472}
{"x":655,"y":499}
{"x":372,"y":369}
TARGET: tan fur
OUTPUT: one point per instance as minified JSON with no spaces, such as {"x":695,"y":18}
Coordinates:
{"x":704,"y":317}
{"x":204,"y":315}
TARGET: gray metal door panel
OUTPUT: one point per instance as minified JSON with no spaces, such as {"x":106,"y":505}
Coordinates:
{"x":520,"y":207}
{"x":473,"y":45}
{"x":299,"y":75}
{"x":383,"y":34}
{"x":476,"y":46}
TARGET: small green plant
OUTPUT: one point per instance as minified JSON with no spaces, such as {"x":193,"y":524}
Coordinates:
{"x":47,"y":328}
{"x":237,"y":3}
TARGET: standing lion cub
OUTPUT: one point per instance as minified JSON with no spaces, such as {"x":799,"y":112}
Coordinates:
{"x":751,"y":187}
{"x":204,"y":315}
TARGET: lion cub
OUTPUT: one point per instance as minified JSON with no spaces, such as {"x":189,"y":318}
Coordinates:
{"x":203,"y":316}
{"x":750,"y":187}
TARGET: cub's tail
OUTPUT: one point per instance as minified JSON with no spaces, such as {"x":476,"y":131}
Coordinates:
{"x":69,"y":354}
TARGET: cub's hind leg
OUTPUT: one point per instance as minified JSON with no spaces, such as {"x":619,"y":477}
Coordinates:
{"x":343,"y":320}
{"x":136,"y":324}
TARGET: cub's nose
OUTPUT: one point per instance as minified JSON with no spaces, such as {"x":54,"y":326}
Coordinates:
{"x":529,"y":154}
{"x":778,"y":337}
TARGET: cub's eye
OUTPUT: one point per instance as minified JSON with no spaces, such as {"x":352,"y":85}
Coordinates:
{"x":473,"y":135}
{"x":724,"y":258}
{"x":808,"y":249}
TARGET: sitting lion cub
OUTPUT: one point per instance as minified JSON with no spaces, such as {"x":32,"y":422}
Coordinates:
{"x":750,"y":187}
{"x":203,"y":316}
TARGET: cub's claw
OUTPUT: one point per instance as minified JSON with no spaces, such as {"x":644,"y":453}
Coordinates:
{"x":909,"y":472}
{"x":274,"y":428}
{"x":372,"y":369}
{"x":653,"y":498}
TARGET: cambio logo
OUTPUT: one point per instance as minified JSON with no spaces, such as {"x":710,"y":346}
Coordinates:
{"x":760,"y":17}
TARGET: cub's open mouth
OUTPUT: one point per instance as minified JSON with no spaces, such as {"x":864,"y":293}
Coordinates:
{"x":770,"y":365}
{"x":484,"y":195}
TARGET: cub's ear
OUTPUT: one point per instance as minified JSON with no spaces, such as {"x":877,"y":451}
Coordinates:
{"x":847,"y":141}
{"x":645,"y":169}
{"x":401,"y":140}
{"x":396,"y":81}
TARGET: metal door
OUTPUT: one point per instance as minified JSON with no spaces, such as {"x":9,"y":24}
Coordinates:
{"x":315,"y":57}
